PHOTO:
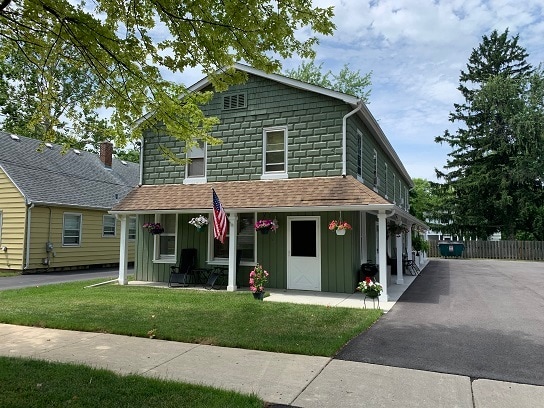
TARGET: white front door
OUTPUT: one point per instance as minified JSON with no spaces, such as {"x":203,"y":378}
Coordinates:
{"x":303,"y":253}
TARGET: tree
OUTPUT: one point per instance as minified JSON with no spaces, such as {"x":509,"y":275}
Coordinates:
{"x":486,"y":174}
{"x":347,"y":81}
{"x":123,"y":46}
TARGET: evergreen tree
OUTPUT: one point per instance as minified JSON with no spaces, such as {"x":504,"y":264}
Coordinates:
{"x":495,"y":161}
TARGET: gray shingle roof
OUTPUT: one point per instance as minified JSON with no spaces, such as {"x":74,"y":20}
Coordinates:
{"x":50,"y":177}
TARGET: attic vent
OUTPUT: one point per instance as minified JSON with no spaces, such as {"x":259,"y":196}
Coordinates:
{"x":77,"y":152}
{"x":234,"y":101}
{"x":14,"y":137}
{"x":49,"y":145}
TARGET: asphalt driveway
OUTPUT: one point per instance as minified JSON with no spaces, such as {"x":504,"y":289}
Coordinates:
{"x":478,"y":318}
{"x":48,"y":278}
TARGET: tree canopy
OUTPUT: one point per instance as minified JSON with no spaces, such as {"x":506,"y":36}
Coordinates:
{"x":123,"y":48}
{"x":495,"y":171}
{"x":346,"y":81}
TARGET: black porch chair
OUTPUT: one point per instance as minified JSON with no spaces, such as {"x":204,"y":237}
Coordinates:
{"x":184,"y":273}
{"x":221,"y":272}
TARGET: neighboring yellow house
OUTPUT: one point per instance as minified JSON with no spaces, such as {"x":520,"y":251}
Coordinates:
{"x":54,"y":206}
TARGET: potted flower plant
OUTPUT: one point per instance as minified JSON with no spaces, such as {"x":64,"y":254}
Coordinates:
{"x":339,"y":226}
{"x":199,"y":222}
{"x":153,"y":227}
{"x":396,"y":229}
{"x":257,"y":279}
{"x":370,"y":287}
{"x":265,"y":225}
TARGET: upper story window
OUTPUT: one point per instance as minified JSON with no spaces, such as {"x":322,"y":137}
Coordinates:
{"x":394,"y":188}
{"x":108,"y":225}
{"x":166,"y":242}
{"x":401,"y":199}
{"x":275,"y":153}
{"x":359,"y":153}
{"x":235,"y":101}
{"x":406,"y":205}
{"x":376,"y":181}
{"x":71,"y":229}
{"x":385,"y":179}
{"x":196,"y":168}
{"x":132,"y":228}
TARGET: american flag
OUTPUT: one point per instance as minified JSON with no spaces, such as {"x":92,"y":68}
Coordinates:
{"x":219,"y":219}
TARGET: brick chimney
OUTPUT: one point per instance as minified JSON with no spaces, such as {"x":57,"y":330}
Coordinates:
{"x":106,"y":153}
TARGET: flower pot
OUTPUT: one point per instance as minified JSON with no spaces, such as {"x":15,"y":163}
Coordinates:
{"x":264,"y":230}
{"x":258,"y":295}
{"x":340,"y":232}
{"x":201,"y":229}
{"x":157,"y":231}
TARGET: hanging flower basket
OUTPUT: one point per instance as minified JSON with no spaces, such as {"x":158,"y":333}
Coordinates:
{"x":396,"y":229}
{"x":153,"y":227}
{"x":265,"y":226}
{"x":340,"y":227}
{"x":200,"y":223}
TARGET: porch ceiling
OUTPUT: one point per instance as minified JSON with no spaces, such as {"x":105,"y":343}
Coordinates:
{"x":267,"y":194}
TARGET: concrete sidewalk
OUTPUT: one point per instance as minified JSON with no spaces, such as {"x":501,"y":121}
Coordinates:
{"x":296,"y":380}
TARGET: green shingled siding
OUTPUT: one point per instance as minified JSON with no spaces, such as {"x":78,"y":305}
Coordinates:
{"x":314,"y":124}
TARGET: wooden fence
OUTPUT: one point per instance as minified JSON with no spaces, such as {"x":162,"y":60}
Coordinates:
{"x":519,"y":250}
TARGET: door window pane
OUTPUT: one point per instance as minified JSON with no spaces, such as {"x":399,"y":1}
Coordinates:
{"x":304,"y":238}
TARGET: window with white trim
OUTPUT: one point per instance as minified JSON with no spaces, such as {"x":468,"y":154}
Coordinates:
{"x":71,"y":229}
{"x":401,"y":199}
{"x":108,"y":225}
{"x":359,"y":153}
{"x":394,"y":188}
{"x":166,"y":242}
{"x":132,"y":228}
{"x":275,"y":152}
{"x":196,"y":168}
{"x":385,"y":179}
{"x":376,"y":181}
{"x":245,"y":240}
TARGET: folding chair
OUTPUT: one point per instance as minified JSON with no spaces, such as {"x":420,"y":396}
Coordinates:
{"x":220,"y":272}
{"x":182,"y":273}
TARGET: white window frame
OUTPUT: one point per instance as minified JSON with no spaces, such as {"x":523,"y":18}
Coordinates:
{"x":1,"y":221}
{"x":400,"y":193}
{"x":109,"y":217}
{"x":359,"y":155}
{"x":385,"y":181}
{"x":281,"y":174}
{"x":64,"y":244}
{"x":394,"y":188}
{"x":212,"y":260}
{"x":157,"y":256}
{"x":194,"y":153}
{"x":376,"y":180}
{"x":132,"y":227}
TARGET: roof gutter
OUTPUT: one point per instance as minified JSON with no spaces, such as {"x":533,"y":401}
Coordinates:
{"x":344,"y":136}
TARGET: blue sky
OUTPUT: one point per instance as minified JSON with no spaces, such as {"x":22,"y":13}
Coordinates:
{"x":416,"y":50}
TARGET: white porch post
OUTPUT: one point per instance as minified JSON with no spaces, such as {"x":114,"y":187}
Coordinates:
{"x":409,"y":241}
{"x":382,"y":251}
{"x":363,"y":238}
{"x":233,"y":238}
{"x":123,"y":252}
{"x":398,"y":243}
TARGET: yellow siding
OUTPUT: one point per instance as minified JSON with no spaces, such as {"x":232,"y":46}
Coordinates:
{"x":12,"y":206}
{"x":93,"y":250}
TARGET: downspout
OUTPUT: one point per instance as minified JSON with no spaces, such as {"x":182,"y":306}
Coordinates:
{"x":28,"y":223}
{"x":142,"y":161}
{"x":344,"y":136}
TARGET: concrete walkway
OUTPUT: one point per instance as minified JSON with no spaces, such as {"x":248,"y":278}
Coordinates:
{"x":285,"y":379}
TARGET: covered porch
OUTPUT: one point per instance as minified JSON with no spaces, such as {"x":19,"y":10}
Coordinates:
{"x":315,"y":199}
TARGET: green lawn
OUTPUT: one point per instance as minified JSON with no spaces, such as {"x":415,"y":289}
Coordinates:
{"x":37,"y":384}
{"x":206,"y":317}
{"x":6,"y":274}
{"x":231,"y":319}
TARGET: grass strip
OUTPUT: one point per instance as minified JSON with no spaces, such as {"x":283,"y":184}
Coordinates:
{"x":32,"y":383}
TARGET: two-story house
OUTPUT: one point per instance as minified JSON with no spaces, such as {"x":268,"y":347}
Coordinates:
{"x":292,"y":152}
